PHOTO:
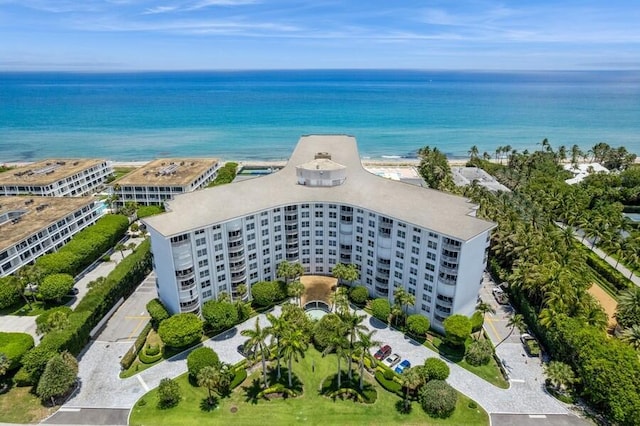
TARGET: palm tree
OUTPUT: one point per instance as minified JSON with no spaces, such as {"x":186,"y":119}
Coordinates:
{"x":276,"y":330}
{"x":257,"y":342}
{"x":294,"y":344}
{"x":516,"y":320}
{"x":341,"y":301}
{"x":289,"y":270}
{"x":628,"y":311}
{"x":364,"y":344}
{"x":473,"y":152}
{"x":631,"y":335}
{"x":339,"y":344}
{"x":353,"y":324}
{"x":208,"y":378}
{"x":485,"y":308}
{"x":560,"y":375}
{"x":411,"y":379}
{"x":296,"y":289}
{"x":345,"y":272}
{"x":241,"y":291}
{"x":121,"y":248}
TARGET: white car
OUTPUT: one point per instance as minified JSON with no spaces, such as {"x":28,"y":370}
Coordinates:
{"x":391,"y":360}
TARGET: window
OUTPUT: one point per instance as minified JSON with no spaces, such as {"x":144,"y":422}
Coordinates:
{"x":319,"y":213}
{"x":401,"y":234}
{"x":319,"y":233}
{"x":265,"y":232}
{"x":202,"y":252}
{"x":432,"y":245}
{"x":202,"y":263}
{"x":218,"y":247}
{"x":201,"y":241}
{"x":219,"y":257}
{"x":251,"y":226}
{"x":251,"y":237}
{"x":264,"y":222}
{"x":400,"y":245}
{"x":430,"y":267}
{"x":413,"y":271}
{"x":415,"y":250}
{"x":431,"y":256}
{"x":426,"y":308}
{"x":204,"y":273}
{"x":416,"y":239}
{"x":318,"y":223}
{"x":427,"y":288}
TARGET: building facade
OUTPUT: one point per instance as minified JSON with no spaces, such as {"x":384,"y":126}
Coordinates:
{"x":162,"y":179}
{"x":56,"y":178}
{"x":322,"y":209}
{"x":33,"y":226}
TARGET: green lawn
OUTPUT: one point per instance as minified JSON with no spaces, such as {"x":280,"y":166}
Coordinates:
{"x":490,"y":372}
{"x":37,"y":308}
{"x":309,"y":408}
{"x":19,"y":405}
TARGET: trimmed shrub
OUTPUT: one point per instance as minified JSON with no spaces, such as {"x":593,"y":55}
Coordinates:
{"x":58,"y":378}
{"x":56,"y":286}
{"x":479,"y":353}
{"x":220,"y":315}
{"x":435,"y":369}
{"x":438,"y":399}
{"x":14,"y":346}
{"x":381,"y":309}
{"x":157,"y":311}
{"x":149,"y":355}
{"x":238,"y":378}
{"x":181,"y":330}
{"x":10,"y":291}
{"x":264,"y":293}
{"x":42,"y":320}
{"x":226,"y":174}
{"x":200,"y":358}
{"x":168,"y":393}
{"x":325,"y":329}
{"x":418,"y":325}
{"x":132,"y":353}
{"x":389,"y":385}
{"x":457,"y":329}
{"x":359,"y":295}
{"x":477,"y":319}
{"x":388,"y":374}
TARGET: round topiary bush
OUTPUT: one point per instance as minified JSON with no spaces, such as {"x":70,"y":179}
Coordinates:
{"x":264,"y":293}
{"x":438,"y":399}
{"x":418,"y":325}
{"x":325,"y":329}
{"x":381,"y":309}
{"x":359,"y":295}
{"x":150,"y":354}
{"x":479,"y":353}
{"x":152,"y":350}
{"x":181,"y":330}
{"x":157,"y":311}
{"x":435,"y":369}
{"x":220,"y":315}
{"x":457,"y":329}
{"x":200,"y":358}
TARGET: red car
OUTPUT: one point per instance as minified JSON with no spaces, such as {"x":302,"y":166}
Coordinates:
{"x":383,"y":352}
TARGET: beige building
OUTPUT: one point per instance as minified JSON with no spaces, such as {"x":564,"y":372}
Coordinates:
{"x":56,"y":178}
{"x":33,"y":226}
{"x":160,"y":180}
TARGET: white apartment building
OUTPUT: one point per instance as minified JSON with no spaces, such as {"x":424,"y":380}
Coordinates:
{"x":160,"y":180}
{"x":56,"y":178}
{"x":322,"y":209}
{"x":33,"y":226}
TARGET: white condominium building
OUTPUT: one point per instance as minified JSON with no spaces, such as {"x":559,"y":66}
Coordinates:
{"x":56,"y":178}
{"x":33,"y":226}
{"x":162,"y":179}
{"x":322,"y":209}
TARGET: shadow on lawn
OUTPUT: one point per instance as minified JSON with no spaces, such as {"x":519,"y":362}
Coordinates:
{"x":208,"y":405}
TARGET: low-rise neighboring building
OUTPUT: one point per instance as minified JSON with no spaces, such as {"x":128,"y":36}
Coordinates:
{"x":162,"y":179}
{"x":581,"y":171}
{"x":464,"y":176}
{"x":56,"y":178}
{"x":33,"y":226}
{"x":322,"y":209}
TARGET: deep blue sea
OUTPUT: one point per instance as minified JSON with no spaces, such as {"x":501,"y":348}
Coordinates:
{"x":261,"y":114}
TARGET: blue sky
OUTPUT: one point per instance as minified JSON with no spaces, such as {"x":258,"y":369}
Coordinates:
{"x":92,"y":35}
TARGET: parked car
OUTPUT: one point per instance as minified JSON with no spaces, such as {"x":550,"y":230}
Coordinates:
{"x":383,"y":352}
{"x":402,"y":366}
{"x":531,"y":345}
{"x":246,"y":351}
{"x":391,"y":360}
{"x":500,"y":295}
{"x":73,"y":291}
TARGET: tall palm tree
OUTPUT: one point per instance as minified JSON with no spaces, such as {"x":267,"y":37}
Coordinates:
{"x":631,"y":335}
{"x":294,"y":345}
{"x":341,"y":301}
{"x":340,"y":345}
{"x":276,"y":330}
{"x":363,"y":345}
{"x":628,"y":311}
{"x":560,"y":374}
{"x":296,"y":289}
{"x":411,"y":379}
{"x":485,"y":308}
{"x":473,"y":152}
{"x":516,"y":321}
{"x":257,"y":342}
{"x":353,"y":324}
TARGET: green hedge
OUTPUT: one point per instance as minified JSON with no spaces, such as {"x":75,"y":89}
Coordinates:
{"x":607,"y":272}
{"x":85,"y":247}
{"x":157,"y":311}
{"x":146,"y":211}
{"x":238,"y":378}
{"x":132,"y":353}
{"x":14,"y":346}
{"x":226,"y":174}
{"x":121,"y":282}
{"x":390,"y":385}
{"x":146,"y":358}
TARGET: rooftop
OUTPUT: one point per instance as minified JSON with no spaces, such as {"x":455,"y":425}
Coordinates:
{"x":21,"y":217}
{"x":168,"y":171}
{"x":439,"y":211}
{"x":581,"y":171}
{"x":47,"y":171}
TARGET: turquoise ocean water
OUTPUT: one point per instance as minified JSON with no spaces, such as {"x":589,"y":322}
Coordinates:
{"x":261,"y":114}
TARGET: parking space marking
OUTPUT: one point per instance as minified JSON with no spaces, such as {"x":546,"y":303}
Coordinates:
{"x":142,"y":383}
